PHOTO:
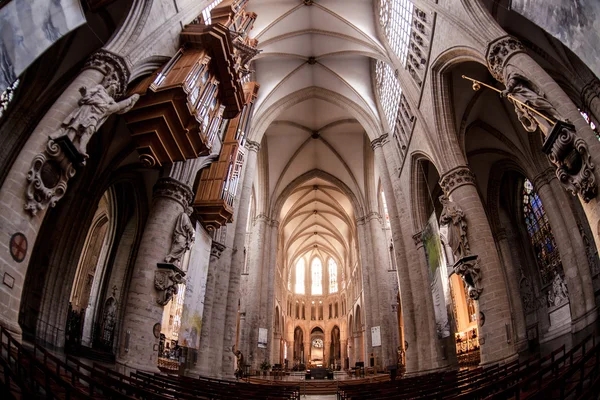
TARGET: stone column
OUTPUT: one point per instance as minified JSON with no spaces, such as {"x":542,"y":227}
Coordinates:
{"x":571,"y":249}
{"x":505,"y":52}
{"x":267,"y":303}
{"x":12,"y":194}
{"x":203,"y":365}
{"x":138,"y":345}
{"x":459,"y":186}
{"x":513,"y":277}
{"x":237,"y":258}
{"x":384,"y":158}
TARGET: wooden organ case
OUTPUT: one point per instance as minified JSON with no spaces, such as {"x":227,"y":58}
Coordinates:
{"x":213,"y":203}
{"x":184,"y":106}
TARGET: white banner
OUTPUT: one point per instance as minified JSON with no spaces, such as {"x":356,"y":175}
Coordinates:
{"x":262,"y":337}
{"x":376,"y":336}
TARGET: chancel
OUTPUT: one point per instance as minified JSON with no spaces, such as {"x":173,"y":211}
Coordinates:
{"x":359,"y":199}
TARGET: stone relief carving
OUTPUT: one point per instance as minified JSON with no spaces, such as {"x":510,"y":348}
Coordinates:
{"x":558,"y":293}
{"x":174,"y":190}
{"x":183,"y":237}
{"x":166,"y":281}
{"x":48,"y":176}
{"x":216,"y":250}
{"x":527,"y":295}
{"x":467,"y":264}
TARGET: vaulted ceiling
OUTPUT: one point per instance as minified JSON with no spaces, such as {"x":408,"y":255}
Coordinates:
{"x":316,"y":93}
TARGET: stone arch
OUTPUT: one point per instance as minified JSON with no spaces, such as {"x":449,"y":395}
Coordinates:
{"x":420,"y":190}
{"x":367,"y":120}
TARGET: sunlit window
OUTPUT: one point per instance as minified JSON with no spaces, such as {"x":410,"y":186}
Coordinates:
{"x":388,"y":91}
{"x":208,"y":9}
{"x":395,"y":17}
{"x":385,"y":210}
{"x":333,"y":285}
{"x":299,"y":288}
{"x":540,"y":233}
{"x":317,"y":277}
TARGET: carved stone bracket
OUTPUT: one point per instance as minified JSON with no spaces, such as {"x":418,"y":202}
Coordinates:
{"x":216,"y":250}
{"x":175,"y":190}
{"x":469,"y":270}
{"x":499,"y":51}
{"x":570,"y":155}
{"x":166,"y":280}
{"x":48,"y":176}
{"x":110,"y":64}
{"x":455,"y":178}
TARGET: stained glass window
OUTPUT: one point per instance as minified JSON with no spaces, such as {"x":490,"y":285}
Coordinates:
{"x":317,"y":276}
{"x":388,"y":91}
{"x":540,"y":234}
{"x":395,"y":17}
{"x":333,"y":285}
{"x":299,"y":288}
{"x":7,"y":96}
{"x":592,"y":124}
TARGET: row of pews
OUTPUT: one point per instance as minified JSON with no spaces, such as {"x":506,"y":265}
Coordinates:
{"x":573,"y":374}
{"x":37,"y":373}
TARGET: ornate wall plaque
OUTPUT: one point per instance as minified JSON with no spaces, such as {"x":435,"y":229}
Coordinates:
{"x":18,"y":247}
{"x":156,"y":330}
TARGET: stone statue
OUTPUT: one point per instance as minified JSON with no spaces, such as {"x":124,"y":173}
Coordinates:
{"x":454,"y":217}
{"x":522,"y":89}
{"x":559,"y":294}
{"x":239,"y":370}
{"x":183,"y":237}
{"x":167,"y":281}
{"x":95,"y":106}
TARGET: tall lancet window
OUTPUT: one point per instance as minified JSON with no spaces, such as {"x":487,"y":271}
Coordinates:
{"x":299,"y":288}
{"x":540,"y":234}
{"x":317,"y":276}
{"x":395,"y":17}
{"x":333,"y":285}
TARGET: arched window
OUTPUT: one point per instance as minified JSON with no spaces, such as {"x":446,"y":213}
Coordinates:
{"x":591,"y":123}
{"x":395,"y":17}
{"x":333,"y":285}
{"x":299,"y":288}
{"x":385,"y":210}
{"x":540,"y":234}
{"x":7,"y":96}
{"x":388,"y":91}
{"x":317,"y":277}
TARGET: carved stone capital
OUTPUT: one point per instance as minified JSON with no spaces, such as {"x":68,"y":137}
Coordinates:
{"x":590,"y":91}
{"x":48,"y":176}
{"x":378,"y":142}
{"x":501,"y":234}
{"x":110,"y":64}
{"x":499,"y":51}
{"x":543,"y":178}
{"x":252,"y":146}
{"x":418,"y":239}
{"x":469,"y":270}
{"x":274,"y":223}
{"x":456,"y":178}
{"x":570,"y":154}
{"x":361,"y":220}
{"x":175,"y":190}
{"x":216,"y":249}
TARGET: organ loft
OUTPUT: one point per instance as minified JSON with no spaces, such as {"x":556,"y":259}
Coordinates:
{"x":222,"y":199}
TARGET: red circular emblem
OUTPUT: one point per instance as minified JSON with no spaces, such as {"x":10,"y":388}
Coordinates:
{"x":18,"y":246}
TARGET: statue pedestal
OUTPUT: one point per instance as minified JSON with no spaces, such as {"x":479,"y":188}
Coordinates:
{"x":560,"y":322}
{"x":70,"y":150}
{"x":171,"y":267}
{"x":468,"y":269}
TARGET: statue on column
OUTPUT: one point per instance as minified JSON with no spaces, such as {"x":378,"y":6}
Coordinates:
{"x":467,"y":264}
{"x":522,"y":89}
{"x":94,"y":107}
{"x":183,"y":237}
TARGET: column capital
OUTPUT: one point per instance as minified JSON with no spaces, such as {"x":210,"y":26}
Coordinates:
{"x":590,"y":91}
{"x":380,"y":141}
{"x":252,"y":146}
{"x":456,"y":178}
{"x":216,"y":249}
{"x":543,"y":178}
{"x":174,"y":190}
{"x":110,"y":64}
{"x":499,"y":51}
{"x":418,"y":239}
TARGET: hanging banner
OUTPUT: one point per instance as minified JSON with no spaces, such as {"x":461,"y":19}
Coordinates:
{"x":28,"y":28}
{"x":262,"y":338}
{"x":438,"y":276}
{"x":376,"y":336}
{"x":195,"y":290}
